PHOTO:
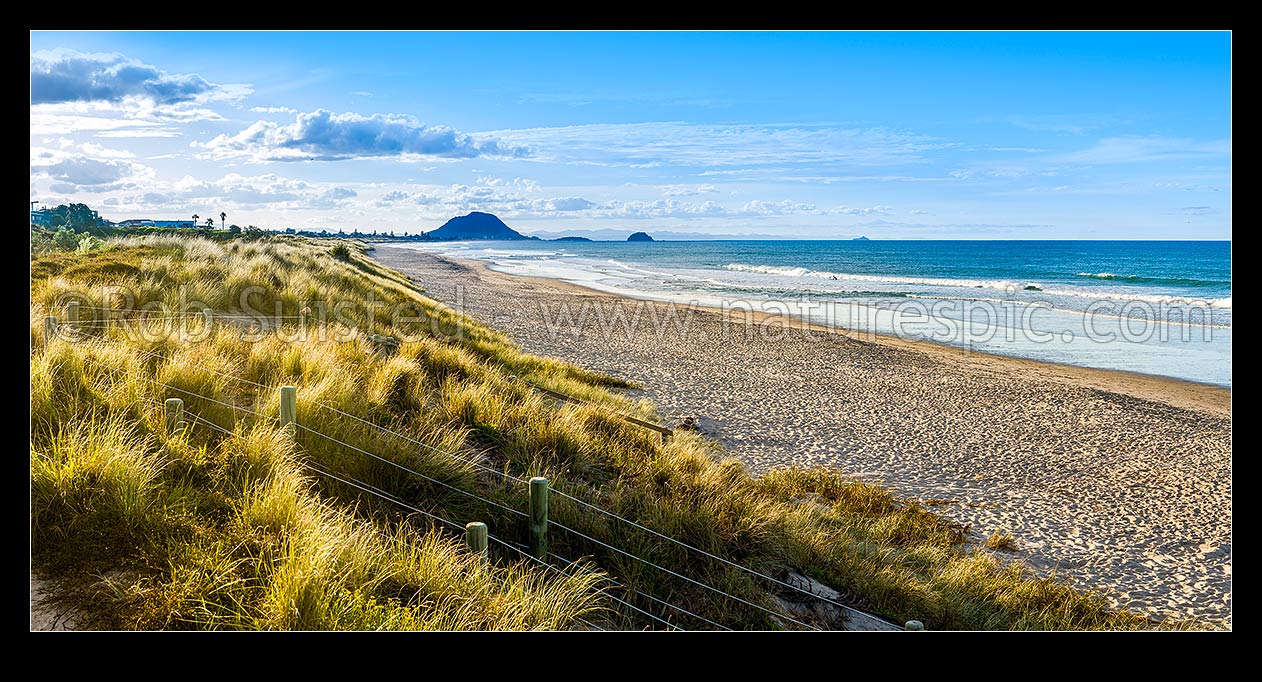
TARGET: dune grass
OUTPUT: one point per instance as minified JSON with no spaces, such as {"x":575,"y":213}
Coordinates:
{"x":204,"y":529}
{"x":999,"y":540}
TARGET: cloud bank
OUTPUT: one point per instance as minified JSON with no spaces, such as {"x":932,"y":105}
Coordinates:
{"x":517,"y":199}
{"x":72,"y":172}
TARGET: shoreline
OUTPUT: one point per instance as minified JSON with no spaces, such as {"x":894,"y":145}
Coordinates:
{"x":1196,"y":395}
{"x":1114,"y":481}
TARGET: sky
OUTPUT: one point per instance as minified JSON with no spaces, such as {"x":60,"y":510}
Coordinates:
{"x":892,"y":135}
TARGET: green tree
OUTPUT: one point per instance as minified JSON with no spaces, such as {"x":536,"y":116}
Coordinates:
{"x":77,"y":217}
{"x":65,"y":239}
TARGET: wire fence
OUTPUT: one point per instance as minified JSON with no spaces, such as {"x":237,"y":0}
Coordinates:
{"x":509,"y":477}
{"x":378,"y":492}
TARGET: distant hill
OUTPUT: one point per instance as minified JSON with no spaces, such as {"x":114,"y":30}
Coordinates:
{"x":476,"y":225}
{"x":571,"y":239}
{"x":640,"y":237}
{"x":860,"y":239}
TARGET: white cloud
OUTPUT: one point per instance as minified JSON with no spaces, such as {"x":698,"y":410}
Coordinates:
{"x":1064,"y":124}
{"x":1193,"y":210}
{"x":492,"y":194}
{"x":230,"y":192}
{"x":513,"y":199}
{"x":783,"y":174}
{"x":62,"y":75}
{"x":674,"y":208}
{"x":393,"y":197}
{"x":340,"y":193}
{"x":661,"y":208}
{"x":333,"y":198}
{"x":273,"y":110}
{"x":44,"y":123}
{"x":117,"y":96}
{"x":688,"y":190}
{"x":132,"y":114}
{"x":862,"y":210}
{"x":139,"y":132}
{"x":1186,"y":186}
{"x":325,"y":136}
{"x":561,"y":205}
{"x":785,"y":207}
{"x":72,"y":172}
{"x":178,"y":114}
{"x":1001,"y":171}
{"x":1134,"y":149}
{"x":96,"y":150}
{"x":643,"y":145}
{"x":522,"y":184}
{"x":267,"y":188}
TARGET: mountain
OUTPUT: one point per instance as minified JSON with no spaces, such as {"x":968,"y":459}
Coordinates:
{"x":640,"y":237}
{"x":571,"y":239}
{"x":476,"y":225}
{"x":860,"y":239}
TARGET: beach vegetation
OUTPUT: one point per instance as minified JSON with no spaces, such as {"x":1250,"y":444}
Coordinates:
{"x":236,"y":523}
{"x":998,"y":540}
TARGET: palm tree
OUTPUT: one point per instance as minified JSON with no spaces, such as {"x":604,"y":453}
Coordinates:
{"x":223,"y":220}
{"x":210,"y":222}
{"x":195,"y":217}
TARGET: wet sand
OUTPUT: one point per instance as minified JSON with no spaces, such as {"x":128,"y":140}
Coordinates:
{"x":1116,"y":481}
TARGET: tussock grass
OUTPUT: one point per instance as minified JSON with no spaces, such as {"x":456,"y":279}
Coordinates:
{"x":998,"y":540}
{"x":207,"y":530}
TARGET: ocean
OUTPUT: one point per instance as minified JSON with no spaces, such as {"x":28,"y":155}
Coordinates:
{"x":1154,"y":307}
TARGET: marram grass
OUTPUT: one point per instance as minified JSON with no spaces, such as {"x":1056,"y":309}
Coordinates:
{"x":202,"y":529}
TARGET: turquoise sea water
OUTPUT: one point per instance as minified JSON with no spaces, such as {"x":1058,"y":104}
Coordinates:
{"x":1155,"y":307}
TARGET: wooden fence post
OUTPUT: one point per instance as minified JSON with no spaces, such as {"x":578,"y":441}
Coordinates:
{"x":50,"y":329}
{"x":206,"y":318}
{"x":288,"y":407}
{"x":475,"y":537}
{"x":72,"y":312}
{"x":174,"y":415}
{"x":539,"y":517}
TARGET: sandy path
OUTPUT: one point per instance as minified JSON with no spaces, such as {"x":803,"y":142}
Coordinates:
{"x":43,"y":616}
{"x":1116,"y":481}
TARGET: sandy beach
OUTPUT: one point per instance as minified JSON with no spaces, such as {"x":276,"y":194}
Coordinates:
{"x":1118,"y":482}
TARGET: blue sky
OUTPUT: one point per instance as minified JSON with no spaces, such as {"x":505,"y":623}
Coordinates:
{"x":892,"y":135}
